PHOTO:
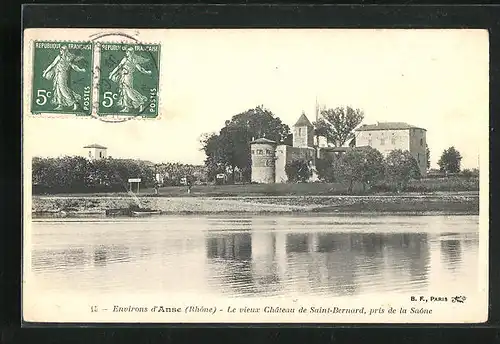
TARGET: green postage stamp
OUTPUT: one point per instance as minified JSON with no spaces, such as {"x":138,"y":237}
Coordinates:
{"x":129,"y":79}
{"x":62,"y":77}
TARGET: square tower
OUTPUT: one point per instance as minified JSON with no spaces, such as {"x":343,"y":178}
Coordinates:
{"x":388,"y":136}
{"x":303,"y":133}
{"x":95,"y":152}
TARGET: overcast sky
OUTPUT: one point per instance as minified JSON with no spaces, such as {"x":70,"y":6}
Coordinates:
{"x":434,"y":79}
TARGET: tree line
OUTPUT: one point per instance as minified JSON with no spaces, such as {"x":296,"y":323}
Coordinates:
{"x":368,"y":167}
{"x":364,"y":165}
{"x":78,"y":174}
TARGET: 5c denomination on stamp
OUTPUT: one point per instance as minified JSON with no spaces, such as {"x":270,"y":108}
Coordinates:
{"x":129,"y":79}
{"x":62,"y":77}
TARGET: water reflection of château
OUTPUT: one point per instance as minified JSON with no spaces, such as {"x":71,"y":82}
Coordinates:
{"x":268,"y":262}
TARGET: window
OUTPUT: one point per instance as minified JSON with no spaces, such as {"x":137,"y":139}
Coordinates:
{"x":370,"y":141}
{"x":418,"y":157}
{"x":259,"y":151}
{"x":382,"y":141}
{"x":300,"y":131}
{"x":90,"y":154}
{"x":100,"y":154}
{"x":421,"y":142}
{"x":393,"y":140}
{"x":269,"y":152}
{"x":253,"y":151}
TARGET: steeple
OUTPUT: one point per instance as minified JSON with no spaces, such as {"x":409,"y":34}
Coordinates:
{"x":303,"y":132}
{"x":303,"y":121}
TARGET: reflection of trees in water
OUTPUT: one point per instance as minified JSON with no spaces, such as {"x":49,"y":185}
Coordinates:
{"x":300,"y":269}
{"x":105,"y":254}
{"x":233,"y":246}
{"x":408,"y":256}
{"x":297,"y":243}
{"x":418,"y":257}
{"x":339,"y":263}
{"x":264,"y":262}
{"x":339,"y":271}
{"x":451,"y":253}
{"x":78,"y":257}
{"x":469,"y":242}
{"x":233,"y":252}
{"x":231,"y":257}
{"x":321,"y":261}
{"x":58,"y":258}
{"x":344,"y":263}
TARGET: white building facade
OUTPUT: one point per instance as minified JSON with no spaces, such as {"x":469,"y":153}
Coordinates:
{"x":95,"y":152}
{"x":389,"y":136}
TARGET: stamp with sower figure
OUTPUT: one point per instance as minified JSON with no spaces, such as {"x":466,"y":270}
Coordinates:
{"x":62,"y":77}
{"x":129,"y":79}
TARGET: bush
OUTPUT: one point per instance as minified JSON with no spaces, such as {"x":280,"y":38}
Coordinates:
{"x":400,"y":168}
{"x":427,"y":185}
{"x":365,"y":166}
{"x":470,"y":173}
{"x":79,"y":175}
{"x":326,"y":170}
{"x":298,"y":171}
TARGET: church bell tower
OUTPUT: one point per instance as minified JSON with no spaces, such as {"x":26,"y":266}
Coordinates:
{"x":303,"y":133}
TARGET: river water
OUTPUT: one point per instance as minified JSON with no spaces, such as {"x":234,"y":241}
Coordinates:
{"x":257,"y":256}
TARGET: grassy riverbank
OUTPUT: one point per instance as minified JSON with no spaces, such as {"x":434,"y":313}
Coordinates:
{"x":293,"y":189}
{"x":447,"y":203}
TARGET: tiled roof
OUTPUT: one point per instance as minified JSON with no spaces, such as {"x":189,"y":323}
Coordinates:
{"x":95,"y":145}
{"x":303,"y":121}
{"x":387,"y":126}
{"x":263,"y":140}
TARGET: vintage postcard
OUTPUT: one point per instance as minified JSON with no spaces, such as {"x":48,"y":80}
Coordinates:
{"x":255,"y":176}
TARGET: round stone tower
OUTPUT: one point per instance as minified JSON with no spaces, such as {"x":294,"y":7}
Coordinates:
{"x":263,"y":153}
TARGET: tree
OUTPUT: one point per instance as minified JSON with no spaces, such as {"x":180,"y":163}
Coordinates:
{"x":470,"y":173}
{"x":337,"y":124}
{"x":229,"y":149}
{"x":428,"y":154}
{"x":450,"y":161}
{"x":298,"y":171}
{"x":400,"y":168}
{"x":77,"y":174}
{"x":365,"y":166}
{"x":326,"y":169}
